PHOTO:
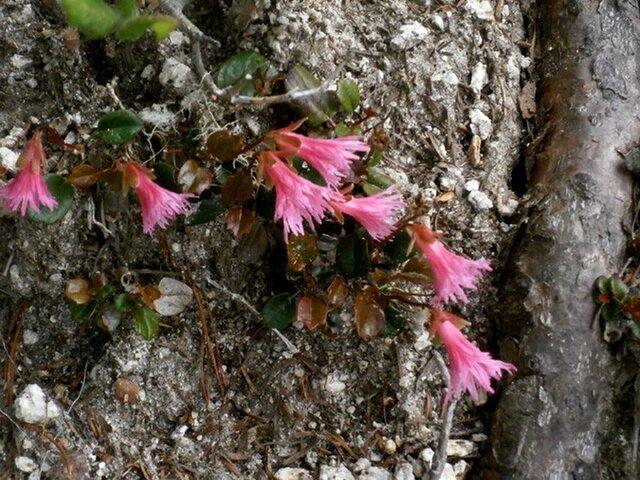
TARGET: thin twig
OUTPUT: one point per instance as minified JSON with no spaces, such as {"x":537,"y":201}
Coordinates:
{"x":240,"y":299}
{"x":84,"y":380}
{"x":63,"y":453}
{"x":185,"y":23}
{"x":440,"y":458}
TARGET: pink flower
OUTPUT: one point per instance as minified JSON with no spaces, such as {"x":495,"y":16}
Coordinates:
{"x":451,"y":273}
{"x":470,"y":368}
{"x":332,"y":158}
{"x":159,"y":206}
{"x":375,"y":213}
{"x":297,"y":199}
{"x":27,"y":189}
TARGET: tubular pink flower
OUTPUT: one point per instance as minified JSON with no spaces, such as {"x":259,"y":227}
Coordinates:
{"x":27,"y":189}
{"x":159,"y":206}
{"x":332,"y":158}
{"x":376,"y":213}
{"x":297,"y":199}
{"x":451,"y":273}
{"x":470,"y":368}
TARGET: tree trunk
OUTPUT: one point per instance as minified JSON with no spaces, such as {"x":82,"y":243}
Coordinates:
{"x":551,"y":420}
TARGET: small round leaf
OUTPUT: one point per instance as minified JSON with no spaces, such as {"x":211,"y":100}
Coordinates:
{"x":279,"y":311}
{"x":118,"y":127}
{"x":62,"y":192}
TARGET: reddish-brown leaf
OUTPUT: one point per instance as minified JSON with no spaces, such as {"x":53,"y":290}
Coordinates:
{"x":369,"y":316}
{"x":312,"y":312}
{"x":239,"y":221}
{"x":84,"y":175}
{"x":237,"y":189}
{"x":337,"y":292}
{"x":223,"y":146}
{"x":301,"y":251}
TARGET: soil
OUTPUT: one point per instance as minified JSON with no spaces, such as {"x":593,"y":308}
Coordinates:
{"x":446,"y":78}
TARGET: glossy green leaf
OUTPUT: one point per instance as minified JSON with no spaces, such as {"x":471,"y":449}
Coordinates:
{"x":378,"y":178}
{"x":133,"y":28}
{"x":306,"y":170}
{"x":318,"y":108}
{"x":82,"y":313}
{"x":618,"y":288}
{"x":94,"y":18}
{"x":279,"y":311}
{"x":394,"y":321}
{"x":398,"y":248}
{"x":62,"y":192}
{"x":118,"y":127}
{"x":208,"y":211}
{"x":236,"y":69}
{"x":352,"y":256}
{"x":146,"y":322}
{"x":166,"y":176}
{"x":349,"y":94}
{"x":123,"y":303}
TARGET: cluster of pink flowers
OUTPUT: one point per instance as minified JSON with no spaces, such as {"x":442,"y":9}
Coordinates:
{"x":299,"y":200}
{"x":27,"y":190}
{"x":470,"y":368}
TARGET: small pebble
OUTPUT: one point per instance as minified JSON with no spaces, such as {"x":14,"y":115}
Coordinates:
{"x":480,"y":200}
{"x":25,"y":464}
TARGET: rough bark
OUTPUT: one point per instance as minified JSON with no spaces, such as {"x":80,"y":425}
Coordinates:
{"x":551,"y":420}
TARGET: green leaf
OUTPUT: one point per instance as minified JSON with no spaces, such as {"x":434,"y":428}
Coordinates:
{"x":279,"y":311}
{"x":394,"y":321}
{"x":238,"y":67}
{"x":398,"y":249}
{"x":375,"y":158}
{"x":82,"y":313}
{"x":118,"y":127}
{"x":348,"y":94}
{"x":104,"y":293}
{"x":62,"y":192}
{"x":127,"y":8}
{"x":208,"y":211}
{"x":94,"y":18}
{"x":352,"y":256}
{"x":133,"y":28}
{"x":306,"y":170}
{"x":635,"y":328}
{"x":319,"y":108}
{"x":378,"y":178}
{"x":123,"y":303}
{"x":618,"y":288}
{"x":166,"y":176}
{"x":146,"y":322}
{"x":370,"y":189}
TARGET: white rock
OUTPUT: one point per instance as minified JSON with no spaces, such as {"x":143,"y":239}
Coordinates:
{"x":334,"y":386}
{"x":481,"y":9}
{"x":20,"y":61}
{"x":507,"y":204}
{"x":31,"y":406}
{"x":361,"y":465}
{"x":479,"y":77}
{"x":390,"y":446}
{"x":460,"y":448}
{"x":438,"y":22}
{"x":289,"y":473}
{"x":175,"y":297}
{"x":29,"y":337}
{"x":479,"y":437}
{"x":404,"y":471}
{"x":177,"y":38}
{"x":111,"y":318}
{"x":25,"y":464}
{"x":176,"y":74}
{"x":480,"y":200}
{"x":375,"y":473}
{"x":410,"y":35}
{"x":480,"y":124}
{"x":8,"y":159}
{"x":448,"y":473}
{"x":472,"y":186}
{"x":460,"y":467}
{"x":335,"y":473}
{"x":422,"y":342}
{"x":426,"y":456}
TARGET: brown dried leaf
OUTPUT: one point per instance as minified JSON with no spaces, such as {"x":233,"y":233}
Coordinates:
{"x":149,"y":294}
{"x":445,"y":197}
{"x":77,"y":290}
{"x":193,"y":178}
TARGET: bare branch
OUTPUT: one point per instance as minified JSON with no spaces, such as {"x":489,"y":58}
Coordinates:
{"x":440,"y":458}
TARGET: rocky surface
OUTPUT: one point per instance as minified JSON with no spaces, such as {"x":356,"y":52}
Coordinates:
{"x":444,"y":78}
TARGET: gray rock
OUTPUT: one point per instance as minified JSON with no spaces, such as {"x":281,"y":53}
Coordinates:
{"x":410,"y":35}
{"x":289,"y":473}
{"x":335,"y":473}
{"x":460,"y":448}
{"x":25,"y":464}
{"x":480,"y":200}
{"x":480,"y":124}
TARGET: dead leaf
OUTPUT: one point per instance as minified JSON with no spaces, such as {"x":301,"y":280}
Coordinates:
{"x":175,"y":297}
